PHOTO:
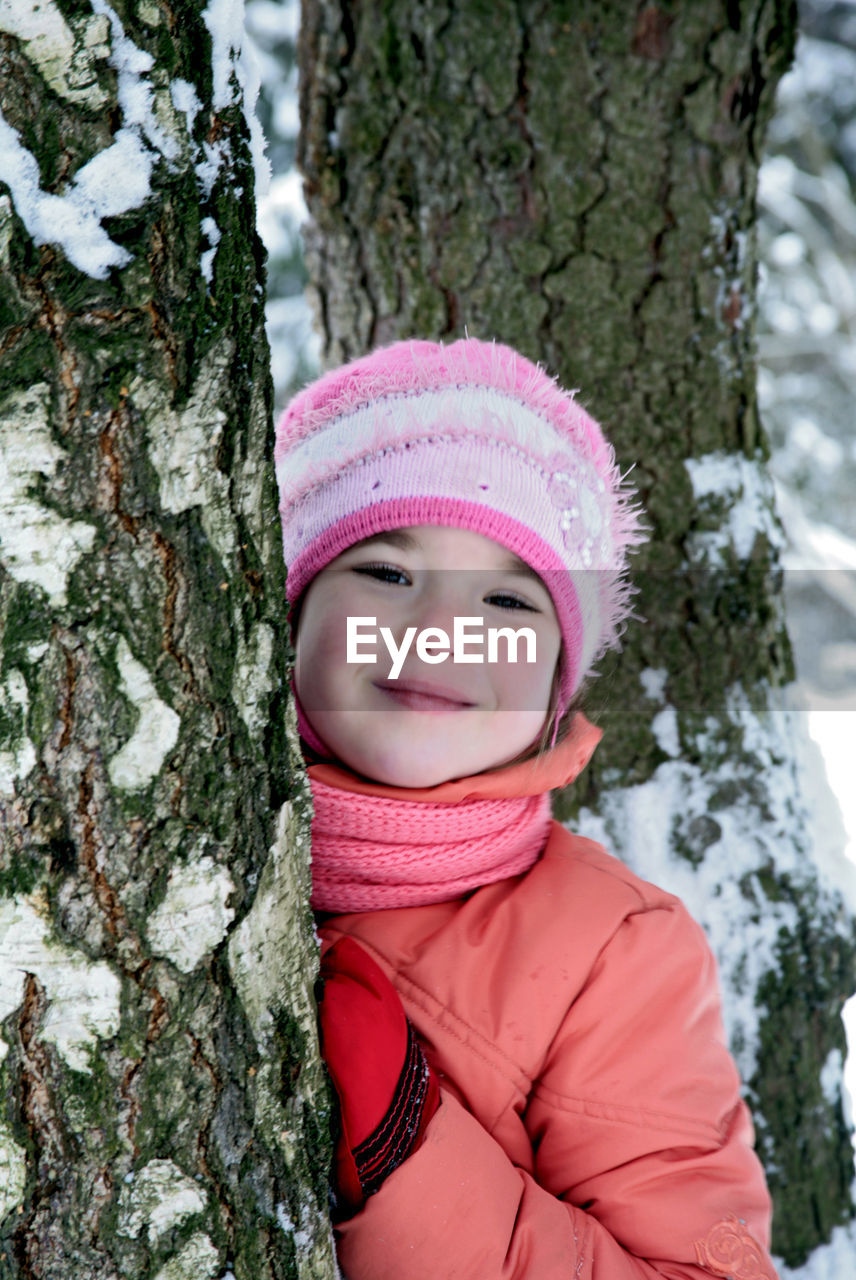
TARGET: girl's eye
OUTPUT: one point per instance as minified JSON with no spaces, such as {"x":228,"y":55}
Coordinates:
{"x":382,"y":572}
{"x":511,"y":601}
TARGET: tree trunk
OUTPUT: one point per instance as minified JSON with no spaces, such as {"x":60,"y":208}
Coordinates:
{"x":579,"y":180}
{"x":164,"y":1110}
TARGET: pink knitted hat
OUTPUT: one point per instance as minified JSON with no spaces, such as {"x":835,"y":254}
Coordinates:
{"x":471,"y":435}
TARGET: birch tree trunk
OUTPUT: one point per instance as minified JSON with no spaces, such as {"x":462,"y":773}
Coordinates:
{"x":579,"y":180}
{"x":163,"y":1108}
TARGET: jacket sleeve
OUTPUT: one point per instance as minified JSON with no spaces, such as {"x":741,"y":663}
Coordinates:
{"x":643,"y":1167}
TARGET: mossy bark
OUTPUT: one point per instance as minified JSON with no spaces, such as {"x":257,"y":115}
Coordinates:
{"x":579,"y":180}
{"x":164,"y":1111}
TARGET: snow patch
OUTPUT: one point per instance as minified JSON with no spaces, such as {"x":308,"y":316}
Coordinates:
{"x":232,"y":55}
{"x":83,"y":995}
{"x":36,"y":544}
{"x":212,"y":233}
{"x":158,"y":1198}
{"x":135,"y":94}
{"x":65,"y":58}
{"x":19,"y":756}
{"x":281,"y":214}
{"x":193,"y":916}
{"x":115,"y":180}
{"x":197,"y":1260}
{"x":653,"y":681}
{"x":745,"y":487}
{"x":216,"y":155}
{"x":664,"y":727}
{"x":848,"y":1074}
{"x":156,"y":733}
{"x":13,"y":1171}
{"x":832,"y":1077}
{"x":70,"y":221}
{"x":186,"y":100}
{"x":832,"y":1261}
{"x":273,"y":20}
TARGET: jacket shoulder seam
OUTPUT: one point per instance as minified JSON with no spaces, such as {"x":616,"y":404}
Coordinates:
{"x":646,"y":895}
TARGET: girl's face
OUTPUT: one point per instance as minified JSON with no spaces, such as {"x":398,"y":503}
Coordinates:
{"x":435,"y":721}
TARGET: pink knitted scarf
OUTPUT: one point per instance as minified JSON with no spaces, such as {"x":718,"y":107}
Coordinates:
{"x":377,"y":846}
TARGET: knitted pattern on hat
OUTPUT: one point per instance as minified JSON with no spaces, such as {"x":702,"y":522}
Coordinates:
{"x":471,"y":435}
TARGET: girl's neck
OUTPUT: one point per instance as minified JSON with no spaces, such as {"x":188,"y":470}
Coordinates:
{"x":376,"y":846}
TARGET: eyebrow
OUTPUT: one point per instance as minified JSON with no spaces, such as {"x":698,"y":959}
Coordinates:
{"x":406,"y":542}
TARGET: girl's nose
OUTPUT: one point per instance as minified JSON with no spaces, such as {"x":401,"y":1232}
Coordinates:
{"x":443,"y":597}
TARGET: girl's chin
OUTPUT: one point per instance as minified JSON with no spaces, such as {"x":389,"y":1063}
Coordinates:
{"x":409,"y":749}
{"x":405,"y":766}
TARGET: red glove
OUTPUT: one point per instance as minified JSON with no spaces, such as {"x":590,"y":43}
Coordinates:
{"x":387,"y":1092}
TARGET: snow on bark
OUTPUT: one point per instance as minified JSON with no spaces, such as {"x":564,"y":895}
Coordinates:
{"x":37,"y":544}
{"x":746,"y":487}
{"x":231,"y":55}
{"x":723,"y":891}
{"x":213,"y":234}
{"x":193,"y":917}
{"x":142,"y":106}
{"x":832,"y":1076}
{"x":156,"y":733}
{"x":118,"y":177}
{"x":83,"y":995}
{"x":680,"y":806}
{"x":73,"y":221}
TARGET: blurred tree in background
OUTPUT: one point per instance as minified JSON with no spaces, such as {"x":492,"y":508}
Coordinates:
{"x":807,"y":386}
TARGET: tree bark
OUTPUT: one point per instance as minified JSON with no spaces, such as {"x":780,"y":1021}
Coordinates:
{"x":164,"y":1109}
{"x":579,"y":180}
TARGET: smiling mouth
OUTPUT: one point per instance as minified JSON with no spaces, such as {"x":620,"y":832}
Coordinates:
{"x":419,"y":697}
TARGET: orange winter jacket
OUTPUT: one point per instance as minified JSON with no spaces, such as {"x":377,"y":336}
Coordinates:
{"x":591,"y":1125}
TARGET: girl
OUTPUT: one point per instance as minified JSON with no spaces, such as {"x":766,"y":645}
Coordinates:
{"x":524,"y":1037}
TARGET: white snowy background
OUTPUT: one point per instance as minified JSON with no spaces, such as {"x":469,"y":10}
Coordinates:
{"x":807,"y":388}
